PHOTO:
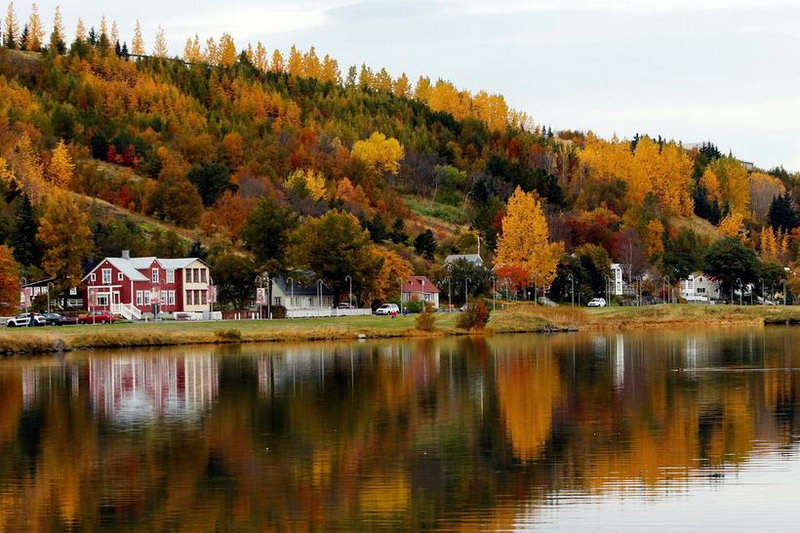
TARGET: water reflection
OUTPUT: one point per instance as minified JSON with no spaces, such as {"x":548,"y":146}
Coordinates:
{"x":567,"y":432}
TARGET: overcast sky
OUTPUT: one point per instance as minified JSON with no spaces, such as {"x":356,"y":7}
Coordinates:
{"x":694,"y":70}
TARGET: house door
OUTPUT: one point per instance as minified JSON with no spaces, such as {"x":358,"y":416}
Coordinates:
{"x":115,"y":298}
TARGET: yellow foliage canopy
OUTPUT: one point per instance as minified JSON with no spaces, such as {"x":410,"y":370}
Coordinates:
{"x":524,"y":242}
{"x":381,"y":153}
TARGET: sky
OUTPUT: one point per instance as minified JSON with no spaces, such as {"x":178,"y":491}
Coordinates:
{"x":726,"y":71}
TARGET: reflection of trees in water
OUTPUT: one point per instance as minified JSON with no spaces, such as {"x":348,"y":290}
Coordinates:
{"x":353,"y":436}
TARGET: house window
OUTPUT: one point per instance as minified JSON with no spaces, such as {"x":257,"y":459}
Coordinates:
{"x":146,"y":295}
{"x":203,"y":297}
{"x":202,"y":275}
{"x":170,"y":276}
{"x":189,"y":297}
{"x":163,"y":297}
{"x":93,"y":278}
{"x":189,"y":275}
{"x":102,"y":300}
{"x":701,"y":290}
{"x":73,"y":291}
{"x":154,"y":275}
{"x":276,"y":301}
{"x":139,"y":298}
{"x":171,"y":297}
{"x":120,"y":277}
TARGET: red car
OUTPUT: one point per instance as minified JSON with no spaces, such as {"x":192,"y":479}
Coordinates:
{"x":97,"y":317}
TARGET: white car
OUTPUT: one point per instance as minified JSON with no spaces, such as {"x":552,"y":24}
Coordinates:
{"x":597,"y":302}
{"x":23,"y":320}
{"x":387,"y":309}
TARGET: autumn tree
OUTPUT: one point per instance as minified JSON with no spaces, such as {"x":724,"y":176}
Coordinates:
{"x":228,"y":216}
{"x":381,"y":153}
{"x":58,"y":36}
{"x":524,"y":242}
{"x":61,"y":168}
{"x":763,"y":190}
{"x":9,"y":282}
{"x":726,"y":181}
{"x":335,"y":246}
{"x":137,"y":44}
{"x":732,"y":263}
{"x":306,"y":182}
{"x":227,"y":51}
{"x":11,"y":28}
{"x":66,"y":237}
{"x":80,"y":30}
{"x":385,"y":286}
{"x":175,"y":200}
{"x":160,"y":47}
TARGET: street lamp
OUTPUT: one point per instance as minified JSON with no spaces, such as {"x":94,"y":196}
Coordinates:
{"x":350,"y":295}
{"x":449,"y":294}
{"x":494,"y":293}
{"x":763,"y":296}
{"x":320,"y":285}
{"x":739,"y":283}
{"x":290,"y":279}
{"x":24,"y":282}
{"x":262,"y":279}
{"x":400,"y":283}
{"x":572,"y":288}
{"x":49,"y":284}
{"x":466,"y":293}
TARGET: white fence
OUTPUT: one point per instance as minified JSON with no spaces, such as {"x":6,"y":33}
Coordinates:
{"x":316,"y":312}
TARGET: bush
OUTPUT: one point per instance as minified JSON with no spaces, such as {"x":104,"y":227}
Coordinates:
{"x":475,"y":317}
{"x":414,"y":306}
{"x":229,"y":335}
{"x":426,"y":320}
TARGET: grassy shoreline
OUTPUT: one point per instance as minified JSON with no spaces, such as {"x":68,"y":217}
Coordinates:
{"x":519,"y":318}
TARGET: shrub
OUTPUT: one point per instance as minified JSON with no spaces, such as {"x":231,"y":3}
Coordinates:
{"x":414,"y":306}
{"x":426,"y":320}
{"x":475,"y":317}
{"x":229,"y":335}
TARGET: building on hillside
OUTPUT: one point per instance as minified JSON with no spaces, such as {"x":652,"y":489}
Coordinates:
{"x":698,"y":287}
{"x":420,"y":289}
{"x":29,"y":291}
{"x":135,"y":287}
{"x":475,"y":259}
{"x":618,"y":285}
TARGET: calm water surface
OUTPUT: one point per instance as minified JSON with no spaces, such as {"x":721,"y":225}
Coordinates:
{"x":647,"y":431}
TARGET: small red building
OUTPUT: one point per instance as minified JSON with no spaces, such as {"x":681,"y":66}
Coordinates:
{"x":137,"y":286}
{"x":420,"y":289}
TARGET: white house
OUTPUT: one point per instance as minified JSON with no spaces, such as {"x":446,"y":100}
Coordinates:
{"x":698,"y":287}
{"x":472,"y":258}
{"x":294,"y":295}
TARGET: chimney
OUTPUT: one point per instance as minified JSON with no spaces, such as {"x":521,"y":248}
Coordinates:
{"x":126,"y":254}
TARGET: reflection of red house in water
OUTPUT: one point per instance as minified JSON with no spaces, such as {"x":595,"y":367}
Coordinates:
{"x":140,"y":389}
{"x":134,"y":286}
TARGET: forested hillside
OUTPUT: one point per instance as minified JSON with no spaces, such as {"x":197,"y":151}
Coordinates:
{"x":260,"y":160}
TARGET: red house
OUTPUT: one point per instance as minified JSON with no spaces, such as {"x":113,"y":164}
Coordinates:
{"x":137,"y":286}
{"x":420,"y":289}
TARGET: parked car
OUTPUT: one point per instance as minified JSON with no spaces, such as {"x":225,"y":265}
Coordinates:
{"x":387,"y":309}
{"x":24,"y":319}
{"x":345,"y":305}
{"x":54,"y":319}
{"x":597,"y":302}
{"x":97,"y":317}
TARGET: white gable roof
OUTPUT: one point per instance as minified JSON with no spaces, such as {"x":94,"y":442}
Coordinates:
{"x":125,"y":266}
{"x":472,"y":258}
{"x":141,"y":262}
{"x":181,"y":262}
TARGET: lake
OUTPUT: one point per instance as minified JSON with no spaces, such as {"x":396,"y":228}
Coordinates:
{"x":641,"y":431}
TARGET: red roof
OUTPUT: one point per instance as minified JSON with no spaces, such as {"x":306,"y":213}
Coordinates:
{"x":419,"y":284}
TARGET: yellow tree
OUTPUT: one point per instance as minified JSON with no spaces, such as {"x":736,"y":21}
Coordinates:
{"x":9,"y":282}
{"x":402,"y":87}
{"x":57,"y":36}
{"x":61,"y":167}
{"x":727,"y":182}
{"x":307,"y":181}
{"x":66,"y":237}
{"x":80,"y":30}
{"x":191,"y":51}
{"x":295,"y":63}
{"x":103,"y":26}
{"x":393,"y":266}
{"x":137,"y":44}
{"x":28,"y":168}
{"x":35,"y":30}
{"x":227,"y":51}
{"x":732,"y":226}
{"x":160,"y":46}
{"x":311,"y":64}
{"x":11,"y":26}
{"x":212,"y":52}
{"x":114,"y":32}
{"x":381,"y":153}
{"x":770,"y":248}
{"x":383,"y":81}
{"x":259,"y":57}
{"x":330,"y":70}
{"x":763,"y":190}
{"x":525,"y":242}
{"x":277,"y":64}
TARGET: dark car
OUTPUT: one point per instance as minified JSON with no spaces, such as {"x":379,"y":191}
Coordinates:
{"x":54,"y":319}
{"x":97,"y":317}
